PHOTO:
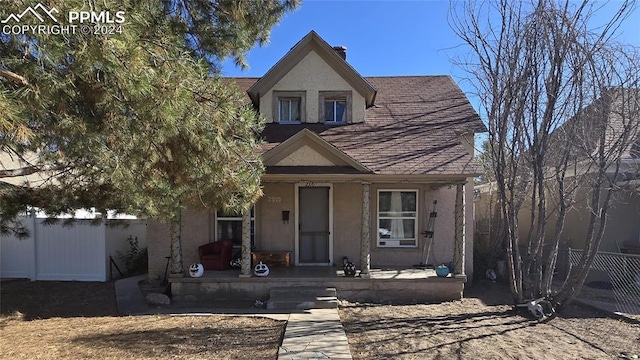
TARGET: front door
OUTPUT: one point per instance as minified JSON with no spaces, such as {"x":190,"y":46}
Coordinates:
{"x":313,"y":226}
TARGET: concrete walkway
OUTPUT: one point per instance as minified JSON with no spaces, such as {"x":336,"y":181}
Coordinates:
{"x":310,"y":334}
{"x":314,"y":334}
{"x":128,"y":296}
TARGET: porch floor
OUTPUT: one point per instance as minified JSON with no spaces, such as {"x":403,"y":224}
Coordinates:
{"x":384,"y":284}
{"x":298,"y":272}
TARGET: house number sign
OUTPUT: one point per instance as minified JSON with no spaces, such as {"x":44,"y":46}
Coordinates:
{"x":274,"y":199}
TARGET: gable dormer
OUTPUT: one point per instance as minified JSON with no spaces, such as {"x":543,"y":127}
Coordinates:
{"x":307,"y":149}
{"x":313,"y":83}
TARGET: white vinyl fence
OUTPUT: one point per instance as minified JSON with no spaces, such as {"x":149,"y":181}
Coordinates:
{"x":79,"y":252}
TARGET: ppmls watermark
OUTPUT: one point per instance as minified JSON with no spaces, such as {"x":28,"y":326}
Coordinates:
{"x":40,"y":20}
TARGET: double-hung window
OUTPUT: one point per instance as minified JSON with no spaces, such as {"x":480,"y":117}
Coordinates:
{"x":288,"y":110}
{"x":289,"y":107}
{"x":335,"y":107}
{"x":229,"y":226}
{"x":335,"y":110}
{"x":397,"y":218}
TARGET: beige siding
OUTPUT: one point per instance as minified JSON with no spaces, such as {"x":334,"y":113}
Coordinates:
{"x":305,"y":156}
{"x":272,"y":233}
{"x":623,"y":221}
{"x":347,"y":210}
{"x":312,"y":74}
{"x":196,"y":227}
{"x":469,"y":228}
{"x":442,"y":249}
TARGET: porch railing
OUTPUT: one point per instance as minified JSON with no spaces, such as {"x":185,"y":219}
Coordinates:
{"x":623,"y":271}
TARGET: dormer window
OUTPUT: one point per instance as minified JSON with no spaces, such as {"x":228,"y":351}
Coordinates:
{"x":335,"y":107}
{"x":335,"y":110}
{"x":289,"y":107}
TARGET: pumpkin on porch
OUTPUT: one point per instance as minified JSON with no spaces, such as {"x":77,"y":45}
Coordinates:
{"x":261,"y":269}
{"x":348,"y":267}
{"x":442,"y":270}
{"x":196,"y":270}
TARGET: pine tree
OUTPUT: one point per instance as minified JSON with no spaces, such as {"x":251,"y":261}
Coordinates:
{"x":136,"y":121}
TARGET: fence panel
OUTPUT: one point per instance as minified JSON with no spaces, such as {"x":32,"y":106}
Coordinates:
{"x":70,"y":252}
{"x":56,"y":252}
{"x":623,"y":271}
{"x":17,"y":256}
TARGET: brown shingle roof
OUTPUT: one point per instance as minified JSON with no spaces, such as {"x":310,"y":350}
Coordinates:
{"x":615,"y":113}
{"x":412,"y":129}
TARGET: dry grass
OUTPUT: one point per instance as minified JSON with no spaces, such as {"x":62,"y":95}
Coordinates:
{"x":71,"y":320}
{"x":482,"y":327}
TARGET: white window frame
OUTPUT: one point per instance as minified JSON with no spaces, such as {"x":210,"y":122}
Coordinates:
{"x":234,"y":218}
{"x":288,"y":96}
{"x":288,"y":116}
{"x":333,"y":96}
{"x":396,"y":243}
{"x":334,"y":103}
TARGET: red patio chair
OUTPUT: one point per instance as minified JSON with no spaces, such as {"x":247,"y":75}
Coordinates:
{"x":216,"y":255}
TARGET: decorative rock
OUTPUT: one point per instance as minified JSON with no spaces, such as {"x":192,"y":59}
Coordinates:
{"x":158,"y":299}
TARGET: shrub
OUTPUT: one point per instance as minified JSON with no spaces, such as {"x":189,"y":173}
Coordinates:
{"x":135,"y":260}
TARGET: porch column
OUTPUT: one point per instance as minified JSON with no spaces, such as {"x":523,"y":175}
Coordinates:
{"x":246,"y":244}
{"x":459,"y":239}
{"x":365,"y":238}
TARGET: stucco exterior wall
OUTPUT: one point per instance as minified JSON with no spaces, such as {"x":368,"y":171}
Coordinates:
{"x":312,"y":74}
{"x":158,"y":246}
{"x":623,"y":222}
{"x":196,"y":231}
{"x":442,"y":250}
{"x":272,"y":234}
{"x":469,"y":235}
{"x":347,"y":213}
{"x":305,"y":156}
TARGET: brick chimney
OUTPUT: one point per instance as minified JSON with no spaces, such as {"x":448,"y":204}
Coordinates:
{"x":342,"y":51}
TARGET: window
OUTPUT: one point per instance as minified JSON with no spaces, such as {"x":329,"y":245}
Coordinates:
{"x":397,"y":218}
{"x":229,"y":226}
{"x":288,"y":110}
{"x":289,"y":107}
{"x":335,"y":110}
{"x":335,"y":107}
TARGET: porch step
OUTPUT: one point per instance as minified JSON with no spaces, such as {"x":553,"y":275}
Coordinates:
{"x":298,"y":297}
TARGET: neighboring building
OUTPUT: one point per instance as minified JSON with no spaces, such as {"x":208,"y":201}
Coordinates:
{"x":353,"y":166}
{"x":617,"y":112}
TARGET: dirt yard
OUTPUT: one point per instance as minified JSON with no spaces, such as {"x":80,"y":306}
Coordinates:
{"x":482,"y":327}
{"x":74,"y":320}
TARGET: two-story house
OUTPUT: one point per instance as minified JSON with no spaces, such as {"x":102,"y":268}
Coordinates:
{"x":354,"y":166}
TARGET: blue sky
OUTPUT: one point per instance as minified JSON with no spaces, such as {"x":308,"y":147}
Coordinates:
{"x":383,"y":37}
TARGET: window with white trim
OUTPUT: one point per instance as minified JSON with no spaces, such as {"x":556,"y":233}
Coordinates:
{"x":229,"y":226}
{"x":288,"y":110}
{"x":335,"y":110}
{"x":397,"y":218}
{"x":335,"y":107}
{"x":289,"y":107}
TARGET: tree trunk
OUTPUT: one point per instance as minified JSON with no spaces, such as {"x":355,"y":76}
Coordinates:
{"x":175,"y":228}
